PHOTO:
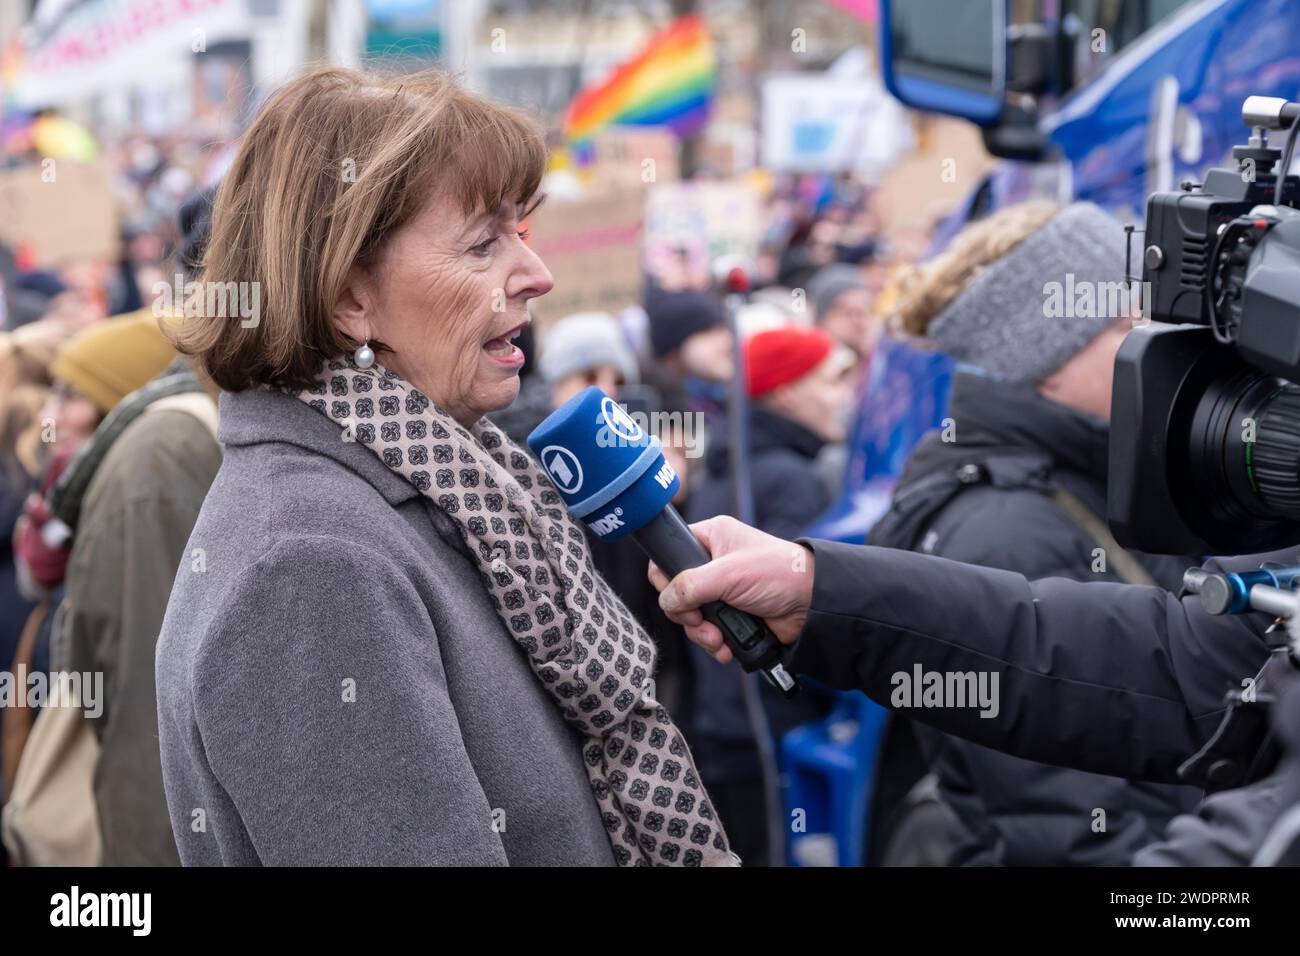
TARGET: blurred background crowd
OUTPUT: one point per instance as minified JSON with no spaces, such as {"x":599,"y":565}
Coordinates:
{"x":638,"y":218}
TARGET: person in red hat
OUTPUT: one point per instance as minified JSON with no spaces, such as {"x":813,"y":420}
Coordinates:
{"x":801,"y":382}
{"x":802,"y":374}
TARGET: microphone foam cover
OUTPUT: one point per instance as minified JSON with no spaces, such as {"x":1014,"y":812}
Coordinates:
{"x":609,"y":471}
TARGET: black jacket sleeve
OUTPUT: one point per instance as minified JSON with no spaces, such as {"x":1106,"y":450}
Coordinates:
{"x":1134,"y":699}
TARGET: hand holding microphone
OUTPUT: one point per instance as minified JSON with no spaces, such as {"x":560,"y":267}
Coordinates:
{"x":613,"y":476}
{"x":767,"y":576}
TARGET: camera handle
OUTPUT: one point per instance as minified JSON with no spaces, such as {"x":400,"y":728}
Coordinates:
{"x":1270,"y":589}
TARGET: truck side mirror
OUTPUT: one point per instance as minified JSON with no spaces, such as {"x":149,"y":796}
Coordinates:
{"x":946,"y":57}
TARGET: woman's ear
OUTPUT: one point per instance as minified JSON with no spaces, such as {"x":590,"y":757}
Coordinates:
{"x":354,"y":309}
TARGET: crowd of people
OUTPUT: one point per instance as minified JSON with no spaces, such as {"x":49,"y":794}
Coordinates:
{"x":112,"y":444}
{"x":301,"y":649}
{"x":110,"y":448}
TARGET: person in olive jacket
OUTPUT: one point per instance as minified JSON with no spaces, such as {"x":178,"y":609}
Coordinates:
{"x":144,"y":480}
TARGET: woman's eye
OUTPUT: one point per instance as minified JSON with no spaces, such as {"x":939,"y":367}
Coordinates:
{"x":484,"y":247}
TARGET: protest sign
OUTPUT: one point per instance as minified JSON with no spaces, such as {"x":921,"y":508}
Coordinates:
{"x":59,"y":211}
{"x":690,"y":225}
{"x":592,"y":247}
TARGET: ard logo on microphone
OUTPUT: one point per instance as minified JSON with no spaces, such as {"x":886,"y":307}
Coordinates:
{"x":563,"y":467}
{"x":616,"y":428}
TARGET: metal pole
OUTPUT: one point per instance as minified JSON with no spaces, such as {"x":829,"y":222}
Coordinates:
{"x":743,"y":508}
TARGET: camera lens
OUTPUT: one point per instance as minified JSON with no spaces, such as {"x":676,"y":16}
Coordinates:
{"x":1244,"y":447}
{"x":1275,"y":463}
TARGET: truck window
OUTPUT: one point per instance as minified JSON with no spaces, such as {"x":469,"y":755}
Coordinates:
{"x":1121,"y":22}
{"x":945,"y":42}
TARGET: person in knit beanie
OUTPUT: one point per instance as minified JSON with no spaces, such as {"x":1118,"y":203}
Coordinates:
{"x":587,"y":348}
{"x":689,"y":335}
{"x":804,"y":375}
{"x":149,"y":468}
{"x":801,"y":382}
{"x":108,"y":360}
{"x":841,"y":304}
{"x":993,"y":300}
{"x":1017,"y":480}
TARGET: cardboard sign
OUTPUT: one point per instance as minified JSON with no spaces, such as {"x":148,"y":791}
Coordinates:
{"x":930,"y":182}
{"x":690,"y":225}
{"x":61,"y":211}
{"x":593,"y":249}
{"x":632,"y":157}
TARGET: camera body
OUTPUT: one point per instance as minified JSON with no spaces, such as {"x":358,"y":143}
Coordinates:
{"x":1205,"y":423}
{"x":1182,"y":230}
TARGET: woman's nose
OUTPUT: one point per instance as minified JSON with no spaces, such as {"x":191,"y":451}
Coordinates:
{"x":531,"y":279}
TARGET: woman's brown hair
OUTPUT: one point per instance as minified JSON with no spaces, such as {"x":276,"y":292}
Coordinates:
{"x":332,"y":165}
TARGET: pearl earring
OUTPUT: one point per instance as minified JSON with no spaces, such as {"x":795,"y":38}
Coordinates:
{"x":364,"y":356}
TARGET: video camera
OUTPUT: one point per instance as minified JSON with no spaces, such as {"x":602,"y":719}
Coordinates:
{"x":1205,"y":415}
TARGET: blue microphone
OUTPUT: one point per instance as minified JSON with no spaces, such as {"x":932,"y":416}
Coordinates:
{"x":613,"y":476}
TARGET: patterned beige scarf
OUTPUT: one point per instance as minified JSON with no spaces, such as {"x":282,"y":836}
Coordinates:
{"x":581,"y":642}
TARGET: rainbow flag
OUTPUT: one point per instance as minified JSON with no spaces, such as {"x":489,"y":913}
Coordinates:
{"x":11,"y":67}
{"x":669,"y":83}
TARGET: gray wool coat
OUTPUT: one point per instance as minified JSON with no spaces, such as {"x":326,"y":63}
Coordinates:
{"x":334,"y":686}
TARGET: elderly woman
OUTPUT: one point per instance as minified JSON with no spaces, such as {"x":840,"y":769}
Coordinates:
{"x":386,"y":643}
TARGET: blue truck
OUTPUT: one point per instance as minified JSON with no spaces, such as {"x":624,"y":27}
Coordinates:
{"x":1099,"y":100}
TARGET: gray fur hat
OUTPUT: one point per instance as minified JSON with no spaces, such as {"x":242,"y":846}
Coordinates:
{"x":1025,"y":315}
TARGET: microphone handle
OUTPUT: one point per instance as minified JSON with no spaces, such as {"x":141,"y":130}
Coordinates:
{"x":669,"y":543}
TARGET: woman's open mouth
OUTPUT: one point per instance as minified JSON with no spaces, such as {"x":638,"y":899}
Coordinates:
{"x":503,"y":349}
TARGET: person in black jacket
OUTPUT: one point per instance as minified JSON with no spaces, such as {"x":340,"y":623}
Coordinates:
{"x":1146,"y":690}
{"x":801,"y":383}
{"x":1018,"y":481}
